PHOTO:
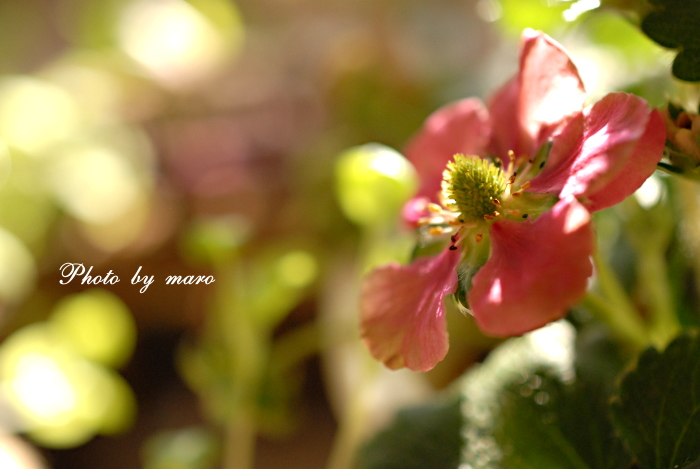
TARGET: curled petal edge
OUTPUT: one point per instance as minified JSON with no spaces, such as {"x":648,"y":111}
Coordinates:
{"x":601,"y":146}
{"x":640,"y":165}
{"x":402,"y":312}
{"x":539,"y":100}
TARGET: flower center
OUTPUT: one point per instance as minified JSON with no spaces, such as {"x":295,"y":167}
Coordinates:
{"x":472,"y":186}
{"x":477,"y":192}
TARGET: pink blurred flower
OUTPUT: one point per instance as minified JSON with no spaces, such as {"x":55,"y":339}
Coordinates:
{"x":515,"y":212}
{"x":684,"y":133}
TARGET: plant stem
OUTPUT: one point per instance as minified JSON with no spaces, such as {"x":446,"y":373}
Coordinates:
{"x":239,"y":442}
{"x":614,"y":308}
{"x":653,"y":276}
{"x":353,"y":421}
{"x":620,"y":324}
{"x":246,"y":357}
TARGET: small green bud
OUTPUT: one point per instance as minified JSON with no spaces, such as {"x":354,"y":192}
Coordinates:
{"x":373,"y":182}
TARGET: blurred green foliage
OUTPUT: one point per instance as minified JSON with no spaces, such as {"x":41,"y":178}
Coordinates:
{"x":97,"y":325}
{"x":187,"y":448}
{"x":129,"y":128}
{"x":59,"y":372}
{"x":246,"y":377}
{"x":541,"y":15}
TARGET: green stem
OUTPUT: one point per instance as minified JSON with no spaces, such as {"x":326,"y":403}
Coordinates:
{"x":295,"y":346}
{"x":653,"y":276}
{"x":353,"y":421}
{"x":346,"y":439}
{"x":239,"y":443}
{"x":614,"y":307}
{"x":621,"y":325}
{"x":246,"y":356}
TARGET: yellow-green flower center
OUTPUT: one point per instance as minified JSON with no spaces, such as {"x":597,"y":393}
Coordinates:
{"x":472,"y":186}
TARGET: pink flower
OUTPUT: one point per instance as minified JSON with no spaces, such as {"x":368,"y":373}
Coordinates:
{"x":683,"y":133}
{"x":514,"y":214}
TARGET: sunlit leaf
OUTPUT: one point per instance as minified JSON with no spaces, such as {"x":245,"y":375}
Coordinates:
{"x":120,"y":412}
{"x":93,"y":182}
{"x":525,"y":408}
{"x":35,"y":114}
{"x":61,"y":400}
{"x":546,"y":16}
{"x":17,"y":268}
{"x":176,"y":42}
{"x":215,"y":241}
{"x":97,"y":325}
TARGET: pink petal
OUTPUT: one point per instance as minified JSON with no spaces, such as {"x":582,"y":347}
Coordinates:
{"x":459,"y":127}
{"x":507,"y":133}
{"x":640,"y":165}
{"x":536,"y":271}
{"x":402,"y":312}
{"x":534,"y":105}
{"x":415,"y":209}
{"x":594,"y":147}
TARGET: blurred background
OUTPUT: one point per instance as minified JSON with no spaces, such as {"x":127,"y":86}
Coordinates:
{"x":228,"y":139}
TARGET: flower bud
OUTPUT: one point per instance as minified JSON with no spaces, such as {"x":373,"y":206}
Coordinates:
{"x":683,"y":130}
{"x":372,"y":183}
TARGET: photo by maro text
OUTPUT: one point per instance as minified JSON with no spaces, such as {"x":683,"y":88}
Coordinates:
{"x":74,"y":271}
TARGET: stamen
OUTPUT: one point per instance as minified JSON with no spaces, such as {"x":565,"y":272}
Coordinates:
{"x":525,"y":186}
{"x":513,"y":212}
{"x":478,"y":237}
{"x":455,"y":237}
{"x":496,"y":202}
{"x":488,"y":217}
{"x":453,"y":248}
{"x":435,"y":208}
{"x":524,"y":215}
{"x":436,"y":230}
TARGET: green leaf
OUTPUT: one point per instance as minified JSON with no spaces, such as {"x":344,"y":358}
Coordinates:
{"x":517,"y":15}
{"x":528,"y":429}
{"x":674,"y":24}
{"x":186,"y":448}
{"x":427,"y":436}
{"x":583,"y":408}
{"x":657,"y":410}
{"x":686,"y":65}
{"x":523,"y":409}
